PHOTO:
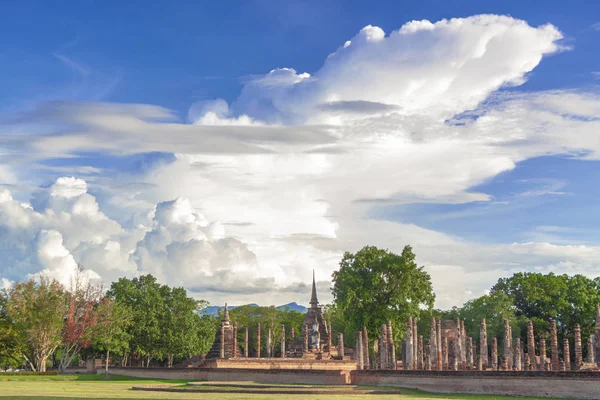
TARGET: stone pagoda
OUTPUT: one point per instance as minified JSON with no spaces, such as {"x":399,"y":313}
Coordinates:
{"x":224,"y":345}
{"x":315,"y":326}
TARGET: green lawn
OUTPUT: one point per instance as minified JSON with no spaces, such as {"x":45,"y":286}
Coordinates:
{"x":117,"y":387}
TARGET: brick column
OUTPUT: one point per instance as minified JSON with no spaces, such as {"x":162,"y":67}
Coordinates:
{"x":439,"y":357}
{"x":391,"y":345}
{"x":463,"y":345}
{"x":282,"y":341}
{"x":366,"y":348}
{"x":517,"y":352}
{"x":222,"y":355}
{"x":415,"y":337}
{"x":246,"y":342}
{"x":306,"y":338}
{"x":269,"y":355}
{"x":567,"y":355}
{"x":359,"y":355}
{"x":409,"y":344}
{"x":341,"y":345}
{"x":432,"y":344}
{"x":590,"y":357}
{"x":530,"y":343}
{"x":542,"y":366}
{"x":445,"y":365}
{"x":427,"y":351}
{"x":483,"y":347}
{"x":383,"y":348}
{"x":234,"y":340}
{"x":506,"y":350}
{"x":554,"y":345}
{"x":258,"y":341}
{"x":494,"y":354}
{"x":578,"y":352}
{"x":458,"y":362}
{"x":469,"y":353}
{"x":420,"y":353}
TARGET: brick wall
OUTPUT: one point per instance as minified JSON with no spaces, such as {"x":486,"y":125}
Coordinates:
{"x":574,"y":385}
{"x":235,"y":374}
{"x":283,"y":363}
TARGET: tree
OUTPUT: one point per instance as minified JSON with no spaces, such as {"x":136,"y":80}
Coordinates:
{"x":375,"y":285}
{"x":37,"y":310}
{"x":81,"y":299}
{"x":109,"y":332}
{"x":12,"y":344}
{"x":566,"y":299}
{"x":180,"y":323}
{"x":143,"y":296}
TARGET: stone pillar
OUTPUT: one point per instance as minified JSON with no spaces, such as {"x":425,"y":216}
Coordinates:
{"x":391,"y":346}
{"x":590,"y":356}
{"x":366,"y":348}
{"x":479,"y":363}
{"x":420,"y":354}
{"x":561,"y":366}
{"x":380,"y":350}
{"x":258,"y":341}
{"x":567,"y":355}
{"x":439,"y":357}
{"x":494,"y":354}
{"x":269,"y":355}
{"x":246,"y":342}
{"x":415,"y":346}
{"x":542,"y":366}
{"x":463,"y":345}
{"x":445,"y":365}
{"x":432,"y":344}
{"x":409,"y":344}
{"x":483,"y":348}
{"x":453,"y":353}
{"x":469,"y":353}
{"x":282,"y":341}
{"x":383,"y":348}
{"x":578,"y":352}
{"x":504,"y":366}
{"x":507,"y":339}
{"x":222,"y":355}
{"x":359,"y":350}
{"x":306,"y":338}
{"x":341,"y":345}
{"x":597,"y":338}
{"x":554,"y":345}
{"x":292,"y":333}
{"x":530,"y":343}
{"x":234,"y":340}
{"x":517,"y":356}
{"x":427,"y":352}
{"x":527,"y":365}
{"x":458,"y":362}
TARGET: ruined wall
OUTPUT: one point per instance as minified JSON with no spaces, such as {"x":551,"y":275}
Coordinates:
{"x":233,"y":374}
{"x":536,"y":384}
{"x":283,"y":363}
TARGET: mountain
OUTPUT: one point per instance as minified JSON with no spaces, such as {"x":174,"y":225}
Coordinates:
{"x":214,"y":310}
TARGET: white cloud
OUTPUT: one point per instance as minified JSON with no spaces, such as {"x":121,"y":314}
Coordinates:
{"x":289,"y":176}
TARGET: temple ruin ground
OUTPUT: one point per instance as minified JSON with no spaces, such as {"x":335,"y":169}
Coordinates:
{"x":95,"y":386}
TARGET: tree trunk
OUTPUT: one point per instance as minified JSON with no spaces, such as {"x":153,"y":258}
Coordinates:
{"x":106,"y":363}
{"x":170,"y":361}
{"x":41,"y":363}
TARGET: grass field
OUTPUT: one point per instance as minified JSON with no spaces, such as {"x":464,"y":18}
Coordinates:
{"x":117,"y":387}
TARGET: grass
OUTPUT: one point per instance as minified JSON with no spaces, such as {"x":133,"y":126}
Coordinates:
{"x":119,"y":387}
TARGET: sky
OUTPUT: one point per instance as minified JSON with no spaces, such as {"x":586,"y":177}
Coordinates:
{"x":233,"y":147}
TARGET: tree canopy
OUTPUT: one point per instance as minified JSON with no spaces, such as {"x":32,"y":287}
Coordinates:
{"x":376,"y":285}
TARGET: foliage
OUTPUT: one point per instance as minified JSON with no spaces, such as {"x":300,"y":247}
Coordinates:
{"x":269,"y":318}
{"x":375,"y":285}
{"x":165,"y":321}
{"x":29,"y":373}
{"x":109,"y":330}
{"x":79,"y":319}
{"x":566,"y":299}
{"x":37,"y":310}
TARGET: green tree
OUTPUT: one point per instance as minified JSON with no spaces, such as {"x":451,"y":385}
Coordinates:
{"x":144,"y":297}
{"x":12,"y":344}
{"x":375,"y":285}
{"x":37,"y":309}
{"x":109,"y":332}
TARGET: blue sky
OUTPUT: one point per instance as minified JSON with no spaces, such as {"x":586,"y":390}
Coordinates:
{"x":113,"y":111}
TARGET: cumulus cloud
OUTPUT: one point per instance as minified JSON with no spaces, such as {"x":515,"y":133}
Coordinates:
{"x":293,"y":172}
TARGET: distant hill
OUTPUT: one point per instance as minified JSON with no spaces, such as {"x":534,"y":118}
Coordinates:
{"x":214,"y":310}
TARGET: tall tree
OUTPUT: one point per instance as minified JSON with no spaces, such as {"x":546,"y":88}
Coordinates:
{"x":81,"y":299}
{"x":109,"y":332}
{"x":37,"y":310}
{"x":376,"y":285}
{"x":12,"y":344}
